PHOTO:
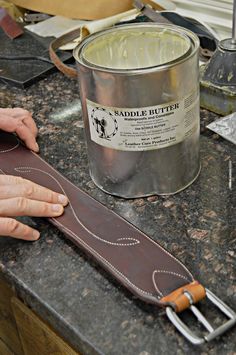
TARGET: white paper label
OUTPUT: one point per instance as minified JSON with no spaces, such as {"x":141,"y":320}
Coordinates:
{"x":146,"y":128}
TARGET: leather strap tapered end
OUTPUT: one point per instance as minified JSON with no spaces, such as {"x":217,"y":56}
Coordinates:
{"x":180,"y":301}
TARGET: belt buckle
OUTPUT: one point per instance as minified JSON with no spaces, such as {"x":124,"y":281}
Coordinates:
{"x":187,"y":332}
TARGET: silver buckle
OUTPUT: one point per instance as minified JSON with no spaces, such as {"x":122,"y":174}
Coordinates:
{"x":186,"y":331}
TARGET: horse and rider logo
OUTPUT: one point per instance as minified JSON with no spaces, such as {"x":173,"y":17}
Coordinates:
{"x":104,"y":123}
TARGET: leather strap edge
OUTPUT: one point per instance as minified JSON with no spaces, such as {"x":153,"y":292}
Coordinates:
{"x":56,"y":44}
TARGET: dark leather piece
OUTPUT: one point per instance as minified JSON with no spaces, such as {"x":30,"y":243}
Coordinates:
{"x":133,"y":258}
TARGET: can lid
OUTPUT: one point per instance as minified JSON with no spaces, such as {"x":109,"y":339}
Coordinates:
{"x":135,"y":47}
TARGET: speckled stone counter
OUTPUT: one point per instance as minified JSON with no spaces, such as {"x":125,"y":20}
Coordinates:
{"x":75,"y":296}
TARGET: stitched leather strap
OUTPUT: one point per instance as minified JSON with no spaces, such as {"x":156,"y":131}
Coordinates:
{"x":134,"y":259}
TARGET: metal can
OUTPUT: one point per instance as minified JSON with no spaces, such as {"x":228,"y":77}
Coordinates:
{"x":139,"y":89}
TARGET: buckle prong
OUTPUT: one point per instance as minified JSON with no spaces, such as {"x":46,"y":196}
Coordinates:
{"x":191,"y":336}
{"x":200,"y":317}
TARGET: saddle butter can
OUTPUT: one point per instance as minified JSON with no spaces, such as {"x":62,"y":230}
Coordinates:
{"x":140,"y":98}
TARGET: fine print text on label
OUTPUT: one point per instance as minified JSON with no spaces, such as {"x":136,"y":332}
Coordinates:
{"x":146,"y":128}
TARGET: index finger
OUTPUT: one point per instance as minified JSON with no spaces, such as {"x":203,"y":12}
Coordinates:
{"x":10,"y":124}
{"x":27,"y":136}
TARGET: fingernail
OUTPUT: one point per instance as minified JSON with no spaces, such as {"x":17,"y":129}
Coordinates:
{"x":36,"y":235}
{"x":62,"y":199}
{"x":36,"y":147}
{"x":56,"y":208}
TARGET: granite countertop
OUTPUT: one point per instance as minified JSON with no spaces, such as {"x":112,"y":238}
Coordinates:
{"x":81,"y":301}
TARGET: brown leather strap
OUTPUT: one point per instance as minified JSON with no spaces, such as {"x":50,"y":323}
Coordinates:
{"x":57,"y":43}
{"x":138,"y":262}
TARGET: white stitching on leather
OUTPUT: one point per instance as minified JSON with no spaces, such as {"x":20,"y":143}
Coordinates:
{"x":156,"y":244}
{"x":154,"y":283}
{"x":27,"y":169}
{"x":104,"y":260}
{"x":172,"y":273}
{"x":152,"y":241}
{"x":165,"y":272}
{"x":10,"y":149}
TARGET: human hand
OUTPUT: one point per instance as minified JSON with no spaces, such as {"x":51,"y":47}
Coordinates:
{"x":20,"y":197}
{"x":20,"y":121}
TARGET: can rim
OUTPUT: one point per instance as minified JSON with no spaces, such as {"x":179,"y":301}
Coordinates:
{"x":193,"y":39}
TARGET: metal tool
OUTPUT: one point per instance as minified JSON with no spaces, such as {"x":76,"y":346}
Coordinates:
{"x":218,"y":76}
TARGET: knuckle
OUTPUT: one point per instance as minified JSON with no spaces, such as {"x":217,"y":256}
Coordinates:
{"x":51,"y":196}
{"x":11,"y":225}
{"x":28,"y":190}
{"x":21,"y":204}
{"x":45,"y":208}
{"x":19,"y":122}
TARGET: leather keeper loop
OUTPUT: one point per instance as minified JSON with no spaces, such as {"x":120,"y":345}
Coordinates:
{"x":180,"y":301}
